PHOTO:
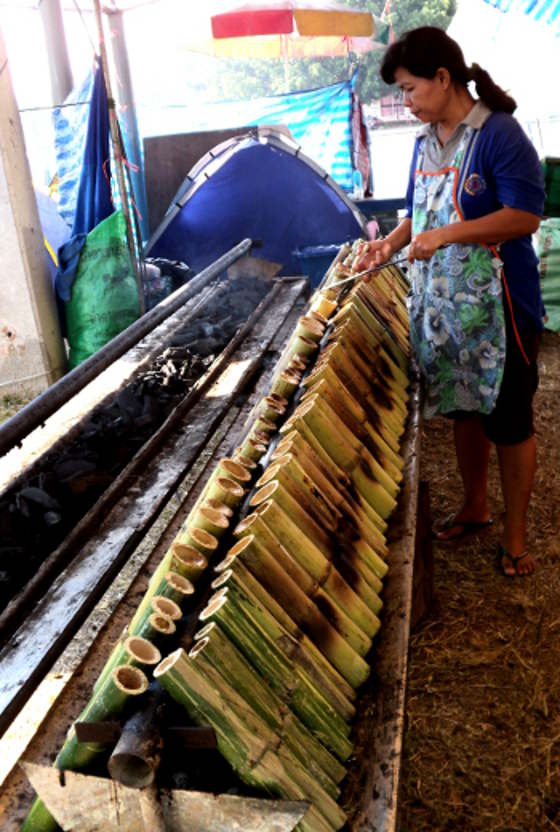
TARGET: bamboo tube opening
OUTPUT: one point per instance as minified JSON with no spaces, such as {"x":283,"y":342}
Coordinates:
{"x":216,"y":504}
{"x":240,"y":545}
{"x":165,"y":606}
{"x":142,"y":650}
{"x":245,"y":523}
{"x":283,"y":447}
{"x":205,"y":631}
{"x":221,"y":567}
{"x":235,"y":470}
{"x":232,"y":487}
{"x":217,"y":518}
{"x":309,"y":324}
{"x":263,"y":493}
{"x":204,"y":538}
{"x":265,"y":424}
{"x":268,"y":475}
{"x":318,"y":317}
{"x":297,"y":363}
{"x":130,"y":679}
{"x":245,"y":461}
{"x":215,"y":603}
{"x":304,"y":407}
{"x":260,"y":436}
{"x":162,"y":623}
{"x":198,"y":647}
{"x":131,"y":770}
{"x":182,"y":585}
{"x":188,"y":555}
{"x":168,"y":662}
{"x":260,"y":510}
{"x":275,"y":399}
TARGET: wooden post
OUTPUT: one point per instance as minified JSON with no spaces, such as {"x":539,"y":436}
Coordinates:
{"x":119,"y":154}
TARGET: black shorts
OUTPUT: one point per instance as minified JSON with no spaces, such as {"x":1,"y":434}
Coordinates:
{"x":511,"y":421}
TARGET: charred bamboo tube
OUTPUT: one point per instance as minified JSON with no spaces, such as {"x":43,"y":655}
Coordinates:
{"x":253,"y":549}
{"x":238,"y":620}
{"x":132,"y":650}
{"x":242,"y":737}
{"x":122,"y":683}
{"x":315,"y":623}
{"x":137,"y":754}
{"x":306,"y":564}
{"x":310,"y":328}
{"x":331,"y":480}
{"x":344,"y":456}
{"x":291,"y":640}
{"x":212,"y":648}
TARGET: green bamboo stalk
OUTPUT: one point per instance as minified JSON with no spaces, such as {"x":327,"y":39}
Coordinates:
{"x":198,"y":538}
{"x":131,"y":650}
{"x":109,"y":701}
{"x":188,"y":561}
{"x":252,"y":449}
{"x":271,"y":525}
{"x":243,"y":738}
{"x":210,"y":520}
{"x":240,"y":621}
{"x":212,"y":647}
{"x":292,"y":640}
{"x":172,"y":585}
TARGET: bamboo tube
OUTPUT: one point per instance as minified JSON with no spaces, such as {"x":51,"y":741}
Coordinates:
{"x":198,"y":538}
{"x":247,"y":463}
{"x":298,"y":363}
{"x":285,"y":384}
{"x":309,"y":328}
{"x":209,"y":520}
{"x":238,"y":620}
{"x":321,"y":629}
{"x":212,"y":645}
{"x":226,"y":490}
{"x":339,"y":603}
{"x":347,"y":458}
{"x":323,"y":304}
{"x":270,"y":525}
{"x":150,"y":604}
{"x":122,"y":683}
{"x":313,"y":313}
{"x":234,"y":471}
{"x":273,"y":407}
{"x":301,"y":489}
{"x":217,"y":504}
{"x":136,"y":756}
{"x":172,"y":586}
{"x":242,"y":737}
{"x":188,"y":561}
{"x":134,"y":651}
{"x":263,"y":424}
{"x":285,"y":632}
{"x":252,"y":449}
{"x":157,"y":626}
{"x":176,"y":587}
{"x":259,"y":436}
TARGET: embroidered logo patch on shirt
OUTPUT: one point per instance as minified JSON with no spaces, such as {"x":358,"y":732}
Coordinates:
{"x":475,"y":184}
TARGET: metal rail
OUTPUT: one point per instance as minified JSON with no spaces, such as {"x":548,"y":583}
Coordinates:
{"x":34,"y":414}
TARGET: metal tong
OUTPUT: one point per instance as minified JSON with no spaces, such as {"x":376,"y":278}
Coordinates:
{"x":367,"y":271}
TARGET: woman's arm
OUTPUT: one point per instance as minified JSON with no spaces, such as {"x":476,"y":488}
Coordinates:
{"x":497,"y":227}
{"x":377,"y":252}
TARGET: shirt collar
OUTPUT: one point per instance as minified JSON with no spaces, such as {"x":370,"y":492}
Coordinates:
{"x":476,"y":117}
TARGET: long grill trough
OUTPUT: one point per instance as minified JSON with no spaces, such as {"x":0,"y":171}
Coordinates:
{"x":238,"y":660}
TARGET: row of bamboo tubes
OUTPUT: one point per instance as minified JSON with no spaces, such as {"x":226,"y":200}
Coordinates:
{"x":282,"y":643}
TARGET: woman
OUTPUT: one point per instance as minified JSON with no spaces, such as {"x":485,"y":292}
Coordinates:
{"x":475,"y":196}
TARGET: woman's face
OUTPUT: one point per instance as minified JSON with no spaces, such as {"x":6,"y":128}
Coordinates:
{"x":426,"y":98}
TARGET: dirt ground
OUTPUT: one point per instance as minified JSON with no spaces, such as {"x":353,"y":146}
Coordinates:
{"x":482,"y":748}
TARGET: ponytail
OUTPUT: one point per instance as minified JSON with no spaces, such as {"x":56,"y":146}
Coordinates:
{"x":425,"y":50}
{"x":489,"y":92}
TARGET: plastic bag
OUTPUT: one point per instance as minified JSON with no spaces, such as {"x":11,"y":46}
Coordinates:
{"x":104,"y":297}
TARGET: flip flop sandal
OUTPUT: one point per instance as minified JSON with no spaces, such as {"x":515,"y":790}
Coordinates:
{"x":466,"y":527}
{"x":503,"y":553}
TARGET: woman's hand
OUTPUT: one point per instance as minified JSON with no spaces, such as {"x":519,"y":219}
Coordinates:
{"x":373,"y":253}
{"x":424,"y":245}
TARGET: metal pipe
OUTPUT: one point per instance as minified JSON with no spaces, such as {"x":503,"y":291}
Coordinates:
{"x":57,"y":50}
{"x":34,"y":414}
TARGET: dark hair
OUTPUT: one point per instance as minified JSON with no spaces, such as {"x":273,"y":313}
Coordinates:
{"x":425,"y":50}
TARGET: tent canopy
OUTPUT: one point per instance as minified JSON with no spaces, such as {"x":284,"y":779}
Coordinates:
{"x":261,"y":186}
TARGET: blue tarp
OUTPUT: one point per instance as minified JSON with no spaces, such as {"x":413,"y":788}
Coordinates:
{"x":261,"y":187}
{"x":547,"y":11}
{"x":319,"y":120}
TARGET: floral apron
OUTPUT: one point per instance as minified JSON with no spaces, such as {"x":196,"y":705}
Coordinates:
{"x":455,"y":304}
